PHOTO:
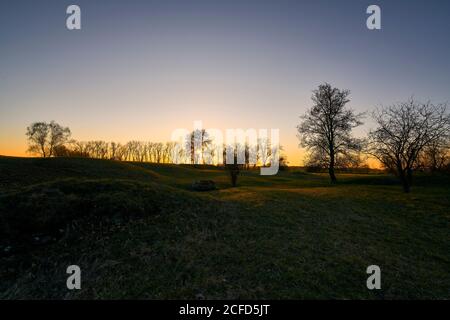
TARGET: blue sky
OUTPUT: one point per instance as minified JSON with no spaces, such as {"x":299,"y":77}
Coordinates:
{"x":140,"y":69}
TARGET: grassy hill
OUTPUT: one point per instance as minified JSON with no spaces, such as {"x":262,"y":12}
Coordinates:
{"x":19,"y":172}
{"x":137,"y":231}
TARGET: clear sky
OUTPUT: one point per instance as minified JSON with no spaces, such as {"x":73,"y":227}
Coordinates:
{"x":140,"y":69}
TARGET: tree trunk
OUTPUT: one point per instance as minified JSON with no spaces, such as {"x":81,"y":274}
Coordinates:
{"x":234,"y":172}
{"x":331,"y":170}
{"x":405,"y":181}
{"x":406,"y":186}
{"x":409,"y":176}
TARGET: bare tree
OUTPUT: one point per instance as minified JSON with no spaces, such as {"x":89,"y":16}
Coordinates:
{"x":44,"y":137}
{"x":326,"y":128}
{"x":112,"y":151}
{"x":247,"y":150}
{"x":158,"y":148}
{"x":264,"y":150}
{"x":233,"y":168}
{"x":37,"y":138}
{"x":121,"y":153}
{"x":62,"y":151}
{"x":80,"y":147}
{"x":151,"y":152}
{"x":98,"y":149}
{"x":436,"y":155}
{"x":138,"y":150}
{"x":58,"y":136}
{"x":169,"y":152}
{"x":404,"y":131}
{"x":197,"y":138}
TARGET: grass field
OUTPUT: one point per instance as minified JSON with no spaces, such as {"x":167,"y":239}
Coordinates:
{"x":138,"y":231}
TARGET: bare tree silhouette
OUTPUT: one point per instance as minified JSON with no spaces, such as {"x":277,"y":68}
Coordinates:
{"x":326,"y":128}
{"x":404,"y":131}
{"x":197,"y":138}
{"x":44,"y":137}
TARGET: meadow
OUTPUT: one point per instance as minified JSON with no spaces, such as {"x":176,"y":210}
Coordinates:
{"x":138,"y":231}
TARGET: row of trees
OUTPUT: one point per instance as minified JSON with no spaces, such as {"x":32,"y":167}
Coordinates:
{"x":131,"y":151}
{"x":53,"y":140}
{"x":408,"y":135}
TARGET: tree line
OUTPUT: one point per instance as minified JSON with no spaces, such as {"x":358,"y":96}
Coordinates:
{"x":53,"y":140}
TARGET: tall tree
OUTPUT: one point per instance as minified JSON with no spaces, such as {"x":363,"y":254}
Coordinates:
{"x":44,"y":137}
{"x":404,"y":131}
{"x":326,"y":127}
{"x":37,"y":138}
{"x":59,"y":135}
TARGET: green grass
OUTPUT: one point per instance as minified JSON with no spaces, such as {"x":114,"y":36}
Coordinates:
{"x":137,"y":231}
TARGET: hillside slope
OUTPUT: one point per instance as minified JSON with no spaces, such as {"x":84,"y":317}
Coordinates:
{"x":136,"y":231}
{"x":18,"y":172}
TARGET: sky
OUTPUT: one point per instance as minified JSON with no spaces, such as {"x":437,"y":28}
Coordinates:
{"x":137,"y":70}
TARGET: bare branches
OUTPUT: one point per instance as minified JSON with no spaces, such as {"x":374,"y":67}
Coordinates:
{"x":44,"y":137}
{"x":404,"y":132}
{"x":326,"y":127}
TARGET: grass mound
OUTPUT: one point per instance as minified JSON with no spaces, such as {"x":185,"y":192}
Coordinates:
{"x":47,"y":207}
{"x":20,"y":172}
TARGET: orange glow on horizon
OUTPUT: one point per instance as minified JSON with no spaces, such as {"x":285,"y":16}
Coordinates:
{"x":295,"y":155}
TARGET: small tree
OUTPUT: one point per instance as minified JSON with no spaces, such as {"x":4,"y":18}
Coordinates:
{"x":404,"y":131}
{"x":326,"y":127}
{"x":44,"y":137}
{"x":233,"y":168}
{"x":284,"y":164}
{"x":63,"y":151}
